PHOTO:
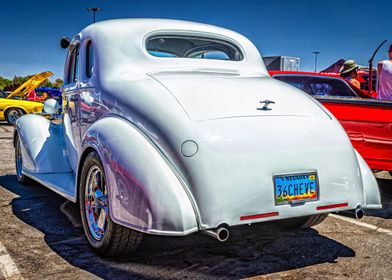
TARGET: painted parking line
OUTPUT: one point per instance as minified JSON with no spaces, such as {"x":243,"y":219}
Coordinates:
{"x":362,"y":224}
{"x":8,"y":268}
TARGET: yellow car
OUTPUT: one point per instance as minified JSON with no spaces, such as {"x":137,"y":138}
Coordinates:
{"x":12,"y":106}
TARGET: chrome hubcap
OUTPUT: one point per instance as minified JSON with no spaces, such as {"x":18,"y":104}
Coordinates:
{"x":18,"y":160}
{"x":12,"y":116}
{"x":96,"y":202}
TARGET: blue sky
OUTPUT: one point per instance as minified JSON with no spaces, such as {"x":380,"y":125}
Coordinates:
{"x":348,"y":29}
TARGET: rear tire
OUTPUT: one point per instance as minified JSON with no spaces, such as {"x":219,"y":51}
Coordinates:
{"x":303,"y":222}
{"x":105,"y":236}
{"x":12,"y":115}
{"x":23,"y":179}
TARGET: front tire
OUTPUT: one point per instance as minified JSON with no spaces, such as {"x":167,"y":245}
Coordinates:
{"x":23,"y":179}
{"x":12,"y":115}
{"x":303,"y":222}
{"x":105,"y":237}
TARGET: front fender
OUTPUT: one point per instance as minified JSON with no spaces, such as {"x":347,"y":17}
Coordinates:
{"x":370,"y":187}
{"x":144,"y":192}
{"x":42,"y":145}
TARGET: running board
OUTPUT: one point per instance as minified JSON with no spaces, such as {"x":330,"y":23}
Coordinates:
{"x":61,"y":183}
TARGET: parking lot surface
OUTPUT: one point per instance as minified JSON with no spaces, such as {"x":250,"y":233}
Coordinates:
{"x":41,"y":238}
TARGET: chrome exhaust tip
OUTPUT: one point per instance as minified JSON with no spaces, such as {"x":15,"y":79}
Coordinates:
{"x":221,"y":233}
{"x":359,"y":213}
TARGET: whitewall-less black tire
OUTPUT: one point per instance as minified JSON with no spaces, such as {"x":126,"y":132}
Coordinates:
{"x":23,"y":179}
{"x":105,"y":236}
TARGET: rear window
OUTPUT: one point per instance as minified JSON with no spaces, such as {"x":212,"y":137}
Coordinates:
{"x":318,"y":86}
{"x":192,"y":47}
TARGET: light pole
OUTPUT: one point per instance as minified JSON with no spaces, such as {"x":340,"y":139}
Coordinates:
{"x":315,"y":60}
{"x":94,"y":10}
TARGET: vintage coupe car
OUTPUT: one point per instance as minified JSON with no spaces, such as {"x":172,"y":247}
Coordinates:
{"x":191,"y":134}
{"x":367,"y":121}
{"x":14,"y":105}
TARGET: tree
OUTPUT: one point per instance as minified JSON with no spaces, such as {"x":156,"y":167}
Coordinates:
{"x":11,"y":85}
{"x":58,"y":83}
{"x":4,"y":82}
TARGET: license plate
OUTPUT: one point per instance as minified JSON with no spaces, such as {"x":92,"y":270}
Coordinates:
{"x":295,"y":188}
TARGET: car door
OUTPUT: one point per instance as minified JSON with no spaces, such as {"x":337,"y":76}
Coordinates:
{"x":71,"y":116}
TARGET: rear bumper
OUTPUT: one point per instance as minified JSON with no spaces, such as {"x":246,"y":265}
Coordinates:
{"x":293,"y":211}
{"x":367,"y":196}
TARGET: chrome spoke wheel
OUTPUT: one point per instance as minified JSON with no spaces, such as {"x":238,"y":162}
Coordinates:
{"x":105,"y":236}
{"x":96,"y":202}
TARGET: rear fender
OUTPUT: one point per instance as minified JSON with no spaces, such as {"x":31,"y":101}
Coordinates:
{"x":370,"y":187}
{"x":144,"y":192}
{"x":42,"y":145}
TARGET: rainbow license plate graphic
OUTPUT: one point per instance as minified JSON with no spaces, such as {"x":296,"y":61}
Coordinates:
{"x":295,"y":188}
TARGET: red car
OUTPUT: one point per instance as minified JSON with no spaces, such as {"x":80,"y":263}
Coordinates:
{"x":367,"y":121}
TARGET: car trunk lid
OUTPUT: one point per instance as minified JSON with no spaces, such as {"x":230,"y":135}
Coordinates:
{"x":225,"y":95}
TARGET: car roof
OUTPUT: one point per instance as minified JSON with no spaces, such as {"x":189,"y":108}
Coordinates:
{"x":116,"y":38}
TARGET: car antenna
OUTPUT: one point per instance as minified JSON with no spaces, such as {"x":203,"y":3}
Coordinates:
{"x":370,"y":77}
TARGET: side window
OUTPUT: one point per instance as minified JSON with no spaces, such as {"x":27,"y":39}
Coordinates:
{"x":331,"y":87}
{"x":321,"y":88}
{"x":67,"y":78}
{"x":90,"y":59}
{"x":76,"y":65}
{"x":73,"y":65}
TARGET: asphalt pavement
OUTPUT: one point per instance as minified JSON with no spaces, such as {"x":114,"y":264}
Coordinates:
{"x":41,"y":238}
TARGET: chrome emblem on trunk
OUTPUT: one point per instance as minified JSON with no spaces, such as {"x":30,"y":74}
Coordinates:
{"x":266,"y":104}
